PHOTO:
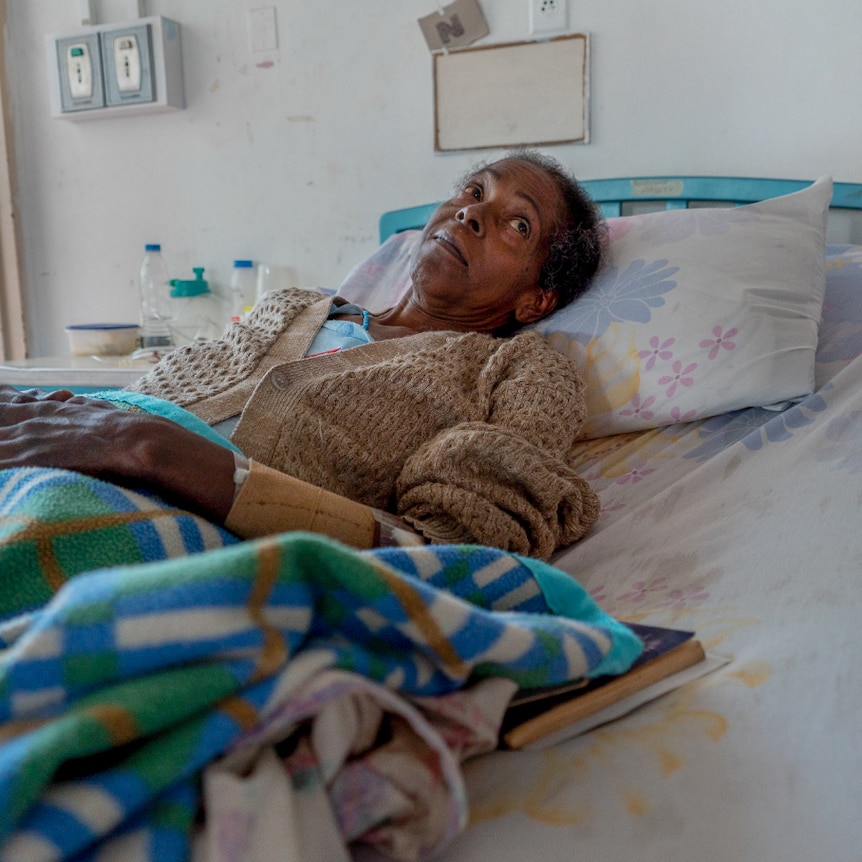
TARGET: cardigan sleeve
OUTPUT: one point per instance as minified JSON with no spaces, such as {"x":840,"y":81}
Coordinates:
{"x":506,"y":481}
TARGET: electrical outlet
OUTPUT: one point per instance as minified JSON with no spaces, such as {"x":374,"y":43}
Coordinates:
{"x":547,"y":16}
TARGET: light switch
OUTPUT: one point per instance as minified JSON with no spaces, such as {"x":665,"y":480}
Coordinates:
{"x":262,"y":34}
{"x":79,"y":67}
{"x":80,"y":73}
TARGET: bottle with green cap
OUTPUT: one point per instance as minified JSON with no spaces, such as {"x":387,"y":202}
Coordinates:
{"x":196,"y":310}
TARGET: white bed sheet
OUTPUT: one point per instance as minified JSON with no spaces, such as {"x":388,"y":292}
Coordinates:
{"x":747,"y":529}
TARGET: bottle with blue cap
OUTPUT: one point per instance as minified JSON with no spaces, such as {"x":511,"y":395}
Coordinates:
{"x":155,"y":299}
{"x":243,"y":288}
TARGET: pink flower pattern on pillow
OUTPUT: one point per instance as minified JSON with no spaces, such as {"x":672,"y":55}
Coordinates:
{"x":721,"y":340}
{"x":657,"y":350}
{"x":678,"y":416}
{"x":640,"y":408}
{"x":680,"y":377}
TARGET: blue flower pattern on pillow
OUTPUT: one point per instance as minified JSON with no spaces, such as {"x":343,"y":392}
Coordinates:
{"x":680,"y":225}
{"x":621,"y":296}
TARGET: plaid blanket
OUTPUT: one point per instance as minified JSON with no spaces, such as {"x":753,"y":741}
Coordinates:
{"x":55,"y":524}
{"x":117,"y":694}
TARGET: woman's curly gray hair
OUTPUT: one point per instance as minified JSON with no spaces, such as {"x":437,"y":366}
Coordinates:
{"x":575,"y":248}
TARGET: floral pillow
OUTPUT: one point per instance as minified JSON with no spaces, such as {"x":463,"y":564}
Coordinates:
{"x":696,"y":311}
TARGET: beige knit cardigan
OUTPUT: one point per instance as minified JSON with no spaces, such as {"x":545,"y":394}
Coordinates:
{"x":465,"y":436}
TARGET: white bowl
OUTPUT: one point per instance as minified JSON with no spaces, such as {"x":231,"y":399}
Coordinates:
{"x":102,"y":339}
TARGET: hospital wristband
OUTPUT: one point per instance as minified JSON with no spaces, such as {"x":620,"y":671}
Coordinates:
{"x":241,"y":469}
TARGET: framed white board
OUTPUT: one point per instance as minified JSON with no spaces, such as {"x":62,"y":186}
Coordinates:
{"x":531,"y":93}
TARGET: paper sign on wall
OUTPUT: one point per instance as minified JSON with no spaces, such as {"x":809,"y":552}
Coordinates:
{"x":455,"y":26}
{"x":523,"y":93}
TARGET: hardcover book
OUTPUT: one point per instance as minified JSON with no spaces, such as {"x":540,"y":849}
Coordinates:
{"x":539,"y":717}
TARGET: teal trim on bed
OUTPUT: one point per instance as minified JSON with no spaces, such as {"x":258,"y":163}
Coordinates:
{"x":674,"y":192}
{"x":75,"y":390}
{"x":396,"y":221}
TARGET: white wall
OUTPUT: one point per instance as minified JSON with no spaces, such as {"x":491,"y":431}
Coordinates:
{"x":294,"y":163}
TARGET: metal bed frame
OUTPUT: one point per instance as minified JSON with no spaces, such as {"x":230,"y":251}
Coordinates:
{"x":612,"y":196}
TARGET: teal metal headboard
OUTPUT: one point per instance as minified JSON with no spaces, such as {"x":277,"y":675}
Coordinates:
{"x":664,"y":192}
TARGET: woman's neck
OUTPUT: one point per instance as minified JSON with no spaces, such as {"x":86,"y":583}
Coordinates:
{"x":409,"y":318}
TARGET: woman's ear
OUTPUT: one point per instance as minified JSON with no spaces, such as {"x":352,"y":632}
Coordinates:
{"x":535,"y":304}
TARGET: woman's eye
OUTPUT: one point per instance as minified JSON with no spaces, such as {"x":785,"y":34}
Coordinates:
{"x":473,"y":191}
{"x":521,"y":225}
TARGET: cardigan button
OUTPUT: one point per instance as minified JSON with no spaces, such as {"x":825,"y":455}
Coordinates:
{"x":279,"y":379}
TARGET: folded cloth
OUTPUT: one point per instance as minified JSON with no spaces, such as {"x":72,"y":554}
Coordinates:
{"x":117,"y":694}
{"x":369,"y":766}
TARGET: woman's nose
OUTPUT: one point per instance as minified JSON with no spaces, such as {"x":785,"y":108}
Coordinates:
{"x":472,"y":217}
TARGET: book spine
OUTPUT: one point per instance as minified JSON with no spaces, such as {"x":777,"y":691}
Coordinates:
{"x":685,"y":655}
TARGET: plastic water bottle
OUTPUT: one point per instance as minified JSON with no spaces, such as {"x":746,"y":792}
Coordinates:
{"x":195,"y":311}
{"x":243,"y":289}
{"x":155,"y":299}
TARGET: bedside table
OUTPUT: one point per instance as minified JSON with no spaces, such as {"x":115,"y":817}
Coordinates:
{"x":81,"y":374}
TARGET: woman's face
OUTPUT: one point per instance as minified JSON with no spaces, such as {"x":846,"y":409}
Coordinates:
{"x":479,"y":258}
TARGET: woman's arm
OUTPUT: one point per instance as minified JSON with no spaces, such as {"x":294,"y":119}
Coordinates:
{"x":479,"y":483}
{"x":92,"y":436}
{"x":72,"y":432}
{"x":507,"y":481}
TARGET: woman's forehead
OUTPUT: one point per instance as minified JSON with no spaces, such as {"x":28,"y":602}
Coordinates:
{"x":530,"y":182}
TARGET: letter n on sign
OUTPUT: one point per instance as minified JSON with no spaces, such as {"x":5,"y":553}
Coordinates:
{"x":454,"y":26}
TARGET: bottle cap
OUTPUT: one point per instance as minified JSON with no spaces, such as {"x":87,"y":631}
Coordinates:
{"x":243,"y":264}
{"x":152,"y":246}
{"x":192,"y":287}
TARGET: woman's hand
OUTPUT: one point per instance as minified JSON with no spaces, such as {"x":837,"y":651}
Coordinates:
{"x":58,"y":429}
{"x":72,"y":432}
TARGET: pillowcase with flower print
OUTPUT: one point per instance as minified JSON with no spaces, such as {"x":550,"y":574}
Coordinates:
{"x":695,"y":312}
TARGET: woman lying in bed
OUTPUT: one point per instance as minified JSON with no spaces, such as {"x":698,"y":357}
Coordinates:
{"x":439,"y":413}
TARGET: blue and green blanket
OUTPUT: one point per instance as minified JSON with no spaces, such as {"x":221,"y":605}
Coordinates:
{"x":125,"y":671}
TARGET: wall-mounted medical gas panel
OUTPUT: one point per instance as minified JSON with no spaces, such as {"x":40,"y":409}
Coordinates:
{"x":116,"y":69}
{"x":80,"y":72}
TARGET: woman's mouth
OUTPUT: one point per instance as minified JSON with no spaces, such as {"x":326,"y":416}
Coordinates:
{"x":445,"y":239}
